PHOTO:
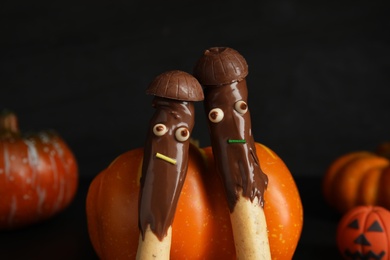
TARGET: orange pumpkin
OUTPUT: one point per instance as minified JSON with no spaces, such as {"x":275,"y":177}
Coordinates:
{"x":201,"y":228}
{"x":364,"y":233}
{"x":38,"y":175}
{"x":358,"y":178}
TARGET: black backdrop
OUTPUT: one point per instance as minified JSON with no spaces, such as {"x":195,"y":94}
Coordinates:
{"x":318,"y":83}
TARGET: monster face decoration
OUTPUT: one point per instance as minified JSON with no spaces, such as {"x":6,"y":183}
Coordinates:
{"x":166,"y":150}
{"x":364,"y":233}
{"x":222,"y":73}
{"x":165,"y":159}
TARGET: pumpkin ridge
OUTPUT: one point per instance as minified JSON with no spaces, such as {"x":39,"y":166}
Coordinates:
{"x":334,"y":169}
{"x":381,"y":221}
{"x":346,"y":182}
{"x":364,"y":220}
{"x":377,"y":211}
{"x":384,"y":227}
{"x":91,"y":209}
{"x":338,"y":182}
{"x":368,"y":193}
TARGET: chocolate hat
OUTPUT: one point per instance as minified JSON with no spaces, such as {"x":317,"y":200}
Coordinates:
{"x":177,"y":85}
{"x":220,"y":66}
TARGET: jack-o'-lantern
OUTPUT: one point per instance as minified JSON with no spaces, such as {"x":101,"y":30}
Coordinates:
{"x":364,"y":233}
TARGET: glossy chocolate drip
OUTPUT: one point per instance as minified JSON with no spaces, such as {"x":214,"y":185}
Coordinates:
{"x":236,"y":160}
{"x":162,"y":180}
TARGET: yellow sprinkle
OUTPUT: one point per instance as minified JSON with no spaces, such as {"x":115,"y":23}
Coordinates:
{"x":165,"y":158}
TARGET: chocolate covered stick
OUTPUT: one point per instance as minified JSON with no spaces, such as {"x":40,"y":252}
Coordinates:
{"x":165,"y":159}
{"x":222,"y":73}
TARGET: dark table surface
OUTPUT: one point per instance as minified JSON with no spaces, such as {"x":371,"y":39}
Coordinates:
{"x":66,"y":236}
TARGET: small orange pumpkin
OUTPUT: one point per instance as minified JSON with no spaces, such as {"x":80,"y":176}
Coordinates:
{"x":364,"y":233}
{"x":38,"y":175}
{"x":358,"y":178}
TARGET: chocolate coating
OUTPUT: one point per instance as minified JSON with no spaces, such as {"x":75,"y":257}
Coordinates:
{"x":162,"y":181}
{"x":219,"y":66}
{"x":176,"y":84}
{"x":222,"y":71}
{"x":165,"y":159}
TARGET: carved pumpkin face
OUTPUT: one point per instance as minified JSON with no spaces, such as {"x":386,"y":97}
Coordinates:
{"x":364,"y":233}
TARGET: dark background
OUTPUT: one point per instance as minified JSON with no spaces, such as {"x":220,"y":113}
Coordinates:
{"x":318,"y":83}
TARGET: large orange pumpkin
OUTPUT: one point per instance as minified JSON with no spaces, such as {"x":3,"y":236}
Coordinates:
{"x":201,"y":228}
{"x":358,"y":178}
{"x":38,"y":175}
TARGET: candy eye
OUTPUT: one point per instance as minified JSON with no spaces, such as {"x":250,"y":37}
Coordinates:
{"x":182,"y":134}
{"x":216,"y":115}
{"x":241,"y":107}
{"x":160,"y":129}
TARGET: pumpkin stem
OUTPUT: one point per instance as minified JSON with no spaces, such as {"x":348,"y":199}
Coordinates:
{"x":8,"y":123}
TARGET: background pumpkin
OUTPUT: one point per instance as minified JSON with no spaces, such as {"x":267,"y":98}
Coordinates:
{"x":364,"y":233}
{"x":358,"y":178}
{"x":38,"y":175}
{"x":201,"y":228}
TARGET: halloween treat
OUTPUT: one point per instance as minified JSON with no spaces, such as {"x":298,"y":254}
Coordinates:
{"x":222,"y":73}
{"x":201,"y":228}
{"x":38,"y":174}
{"x":364,"y":233}
{"x":124,"y":210}
{"x":358,"y":178}
{"x":165,"y":159}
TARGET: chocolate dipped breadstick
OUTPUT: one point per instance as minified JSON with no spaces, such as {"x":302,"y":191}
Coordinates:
{"x":165,"y":159}
{"x":221,"y":72}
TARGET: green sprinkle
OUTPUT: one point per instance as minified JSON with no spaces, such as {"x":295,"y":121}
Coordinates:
{"x":236,"y":141}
